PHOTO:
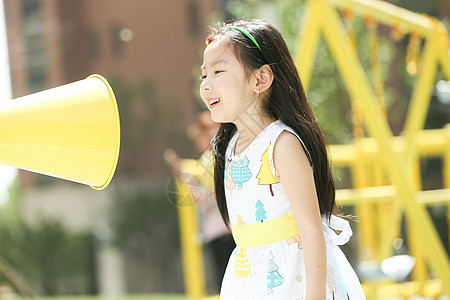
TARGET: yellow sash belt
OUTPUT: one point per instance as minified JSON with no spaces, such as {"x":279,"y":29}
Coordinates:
{"x":267,"y":232}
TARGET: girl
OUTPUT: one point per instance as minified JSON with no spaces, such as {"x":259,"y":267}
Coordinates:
{"x":272,"y":176}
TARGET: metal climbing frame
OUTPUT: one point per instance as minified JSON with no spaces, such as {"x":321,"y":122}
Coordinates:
{"x":321,"y":17}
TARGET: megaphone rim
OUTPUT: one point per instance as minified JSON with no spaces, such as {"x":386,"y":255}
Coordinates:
{"x":116,"y":111}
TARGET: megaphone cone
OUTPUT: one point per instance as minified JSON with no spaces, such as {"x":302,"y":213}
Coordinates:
{"x":70,"y":132}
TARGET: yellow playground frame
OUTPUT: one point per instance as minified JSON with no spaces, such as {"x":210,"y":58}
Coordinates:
{"x":380,"y":204}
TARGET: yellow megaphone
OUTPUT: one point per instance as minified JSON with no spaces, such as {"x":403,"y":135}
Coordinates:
{"x":70,"y":132}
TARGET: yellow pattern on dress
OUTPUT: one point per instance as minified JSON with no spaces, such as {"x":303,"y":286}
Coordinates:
{"x":265,"y":174}
{"x":242,"y":266}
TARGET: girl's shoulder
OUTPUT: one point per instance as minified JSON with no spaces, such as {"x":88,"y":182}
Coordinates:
{"x":284,"y":136}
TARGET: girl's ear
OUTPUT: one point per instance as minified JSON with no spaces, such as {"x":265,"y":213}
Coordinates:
{"x":264,"y":79}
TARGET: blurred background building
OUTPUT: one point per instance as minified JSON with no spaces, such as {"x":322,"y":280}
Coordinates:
{"x":151,"y":48}
{"x":148,"y":51}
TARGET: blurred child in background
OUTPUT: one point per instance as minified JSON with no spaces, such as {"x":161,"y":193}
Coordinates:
{"x":214,"y":233}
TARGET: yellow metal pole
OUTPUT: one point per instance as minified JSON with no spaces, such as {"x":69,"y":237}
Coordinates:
{"x":377,"y":78}
{"x":307,"y":41}
{"x":430,"y":143}
{"x":446,"y":171}
{"x":389,"y":14}
{"x":359,"y":88}
{"x":384,"y":210}
{"x":364,"y":210}
{"x":383,"y":217}
{"x":415,"y":120}
{"x":419,"y":271}
{"x":386,"y":193}
{"x":420,"y":100}
{"x":444,"y":59}
{"x":367,"y":225}
{"x":193,"y":269}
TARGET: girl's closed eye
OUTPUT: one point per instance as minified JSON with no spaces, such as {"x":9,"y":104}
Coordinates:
{"x":203,"y":77}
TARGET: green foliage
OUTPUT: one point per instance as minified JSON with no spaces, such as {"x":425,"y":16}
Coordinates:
{"x":9,"y":211}
{"x":241,"y":9}
{"x":50,"y":259}
{"x":289,"y":20}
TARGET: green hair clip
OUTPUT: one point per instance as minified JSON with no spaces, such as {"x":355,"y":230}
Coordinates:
{"x":247,"y":34}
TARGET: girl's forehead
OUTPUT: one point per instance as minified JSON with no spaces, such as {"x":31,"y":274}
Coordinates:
{"x":218,"y":51}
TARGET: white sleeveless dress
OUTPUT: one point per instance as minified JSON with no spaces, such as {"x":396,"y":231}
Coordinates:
{"x":267,"y":262}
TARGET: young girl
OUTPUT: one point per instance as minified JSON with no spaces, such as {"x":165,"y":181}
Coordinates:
{"x":272,"y":176}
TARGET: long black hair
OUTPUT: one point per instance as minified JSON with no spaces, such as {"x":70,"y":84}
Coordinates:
{"x":286,"y":102}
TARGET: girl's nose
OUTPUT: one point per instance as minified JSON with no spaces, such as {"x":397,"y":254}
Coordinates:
{"x":205,"y":85}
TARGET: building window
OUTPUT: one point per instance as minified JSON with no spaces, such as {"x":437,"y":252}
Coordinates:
{"x":94,"y":45}
{"x":34,"y":37}
{"x":117,"y":43}
{"x":194,"y":19}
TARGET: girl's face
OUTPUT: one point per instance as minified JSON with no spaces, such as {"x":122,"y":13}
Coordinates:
{"x":225,"y":88}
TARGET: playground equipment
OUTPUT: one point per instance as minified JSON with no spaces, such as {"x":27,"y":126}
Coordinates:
{"x":378,"y":159}
{"x":401,"y":166}
{"x":70,"y":132}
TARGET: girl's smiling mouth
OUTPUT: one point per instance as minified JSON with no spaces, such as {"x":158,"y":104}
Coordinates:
{"x":213,"y":102}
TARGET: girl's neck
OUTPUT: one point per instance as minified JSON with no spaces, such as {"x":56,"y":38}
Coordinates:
{"x":249,"y":128}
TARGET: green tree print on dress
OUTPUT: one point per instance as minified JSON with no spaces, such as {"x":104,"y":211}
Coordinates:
{"x":260,"y":211}
{"x":240,"y":172}
{"x":274,"y":278}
